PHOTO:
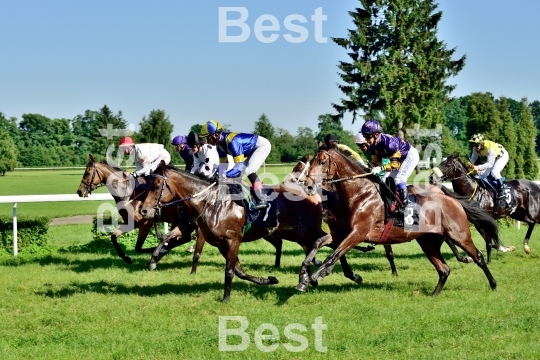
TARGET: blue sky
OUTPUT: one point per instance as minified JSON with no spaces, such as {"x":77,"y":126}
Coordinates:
{"x":60,"y":58}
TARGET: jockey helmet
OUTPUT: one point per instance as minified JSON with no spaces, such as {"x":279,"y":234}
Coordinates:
{"x":194,"y":139}
{"x":126,"y":142}
{"x":178,"y":140}
{"x":371,"y":127}
{"x":359,"y":139}
{"x":330,"y":137}
{"x":210,"y":127}
{"x":477,"y":139}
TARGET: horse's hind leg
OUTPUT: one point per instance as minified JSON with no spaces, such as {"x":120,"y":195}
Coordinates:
{"x":114,"y":240}
{"x":304,"y":276}
{"x":347,"y":271}
{"x":390,"y":257}
{"x":459,"y":257}
{"x":468,"y":246}
{"x":526,"y":247}
{"x":180,"y":232}
{"x":198,"y":251}
{"x":277,"y":243}
{"x":254,"y":279}
{"x":431,"y":245}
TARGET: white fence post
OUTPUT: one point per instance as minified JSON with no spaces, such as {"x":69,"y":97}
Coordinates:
{"x":165,"y":228}
{"x":15,"y":245}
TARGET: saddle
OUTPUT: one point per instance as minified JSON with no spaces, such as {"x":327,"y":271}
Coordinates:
{"x":265,"y":217}
{"x":509,"y":199}
{"x":410,"y":219}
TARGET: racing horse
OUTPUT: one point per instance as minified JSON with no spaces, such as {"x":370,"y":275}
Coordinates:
{"x":100,"y":174}
{"x":440,"y":217}
{"x":221,"y":221}
{"x":464,"y":183}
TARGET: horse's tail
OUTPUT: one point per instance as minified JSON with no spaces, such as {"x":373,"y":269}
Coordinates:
{"x":477,"y":216}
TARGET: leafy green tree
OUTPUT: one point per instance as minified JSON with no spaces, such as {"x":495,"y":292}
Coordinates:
{"x":455,"y":113}
{"x":156,"y":128}
{"x":398,"y":66}
{"x":10,"y":125}
{"x":197,"y":128}
{"x":264,"y":128}
{"x":329,"y":125}
{"x":104,"y":120}
{"x":8,"y":152}
{"x":305,"y":142}
{"x":508,"y":137}
{"x":285,"y":146}
{"x":450,"y":143}
{"x":526,"y":135}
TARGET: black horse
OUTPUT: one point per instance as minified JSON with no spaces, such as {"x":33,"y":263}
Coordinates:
{"x":527,"y":193}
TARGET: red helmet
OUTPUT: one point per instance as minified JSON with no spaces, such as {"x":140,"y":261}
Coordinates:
{"x":126,"y":142}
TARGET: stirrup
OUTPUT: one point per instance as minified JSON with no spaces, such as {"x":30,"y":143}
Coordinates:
{"x":261,"y":205}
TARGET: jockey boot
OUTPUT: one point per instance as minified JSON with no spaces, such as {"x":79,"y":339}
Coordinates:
{"x":404,"y":195}
{"x":260,"y":198}
{"x":499,"y":201}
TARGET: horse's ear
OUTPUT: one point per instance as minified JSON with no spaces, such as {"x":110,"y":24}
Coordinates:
{"x":456,"y":154}
{"x":91,"y":158}
{"x":305,"y":158}
{"x":163,"y":166}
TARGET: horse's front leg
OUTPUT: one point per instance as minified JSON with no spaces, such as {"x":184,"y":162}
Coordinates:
{"x":161,"y":249}
{"x":144,"y":229}
{"x":122,"y":229}
{"x":198,"y":250}
{"x":303,"y":276}
{"x":347,"y":244}
{"x":526,"y":247}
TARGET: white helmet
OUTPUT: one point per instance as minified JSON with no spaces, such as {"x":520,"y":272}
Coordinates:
{"x":359,"y":138}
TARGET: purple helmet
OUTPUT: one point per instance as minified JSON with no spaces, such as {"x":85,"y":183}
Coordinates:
{"x":180,"y":139}
{"x":371,"y":127}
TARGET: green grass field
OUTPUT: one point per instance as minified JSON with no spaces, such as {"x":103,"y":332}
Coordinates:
{"x":79,"y":300}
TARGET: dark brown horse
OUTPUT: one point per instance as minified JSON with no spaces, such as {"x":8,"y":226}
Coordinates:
{"x":464,"y":183}
{"x":99,"y":174}
{"x":221,"y":221}
{"x":441,"y":216}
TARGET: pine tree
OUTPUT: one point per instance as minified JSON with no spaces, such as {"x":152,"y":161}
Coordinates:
{"x":484,"y":117}
{"x":398,"y":67}
{"x":508,"y":137}
{"x":526,"y":135}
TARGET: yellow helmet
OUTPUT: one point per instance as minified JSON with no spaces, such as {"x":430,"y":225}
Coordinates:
{"x":210,"y":127}
{"x":477,"y":139}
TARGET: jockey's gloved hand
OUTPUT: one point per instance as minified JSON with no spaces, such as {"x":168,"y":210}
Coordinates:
{"x":376,"y":170}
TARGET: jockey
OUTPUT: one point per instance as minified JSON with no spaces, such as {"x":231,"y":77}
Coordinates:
{"x":147,"y":157}
{"x":331,"y":141}
{"x":205,"y":156}
{"x":496,"y":156}
{"x":403,"y":156}
{"x":249,"y":151}
{"x":180,"y":143}
{"x":363,"y":146}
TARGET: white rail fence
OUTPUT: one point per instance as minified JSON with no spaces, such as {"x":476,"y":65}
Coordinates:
{"x":14,"y":199}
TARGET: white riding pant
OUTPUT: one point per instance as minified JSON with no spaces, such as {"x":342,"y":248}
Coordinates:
{"x":407,"y":167}
{"x":256,"y":159}
{"x":163,"y":155}
{"x":498,"y":166}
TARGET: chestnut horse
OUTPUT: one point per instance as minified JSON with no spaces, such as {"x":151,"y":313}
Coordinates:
{"x":441,"y":216}
{"x":464,"y":183}
{"x":99,"y":174}
{"x":221,"y":220}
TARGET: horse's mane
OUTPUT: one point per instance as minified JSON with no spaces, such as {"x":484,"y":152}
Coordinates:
{"x":196,"y":177}
{"x":355,"y":163}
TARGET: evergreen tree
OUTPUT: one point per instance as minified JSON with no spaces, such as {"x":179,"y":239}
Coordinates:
{"x":264,"y":128}
{"x":106,"y":120}
{"x":398,"y":67}
{"x":535,"y":110}
{"x":526,"y":135}
{"x":329,"y":125}
{"x":508,"y":137}
{"x":484,"y":117}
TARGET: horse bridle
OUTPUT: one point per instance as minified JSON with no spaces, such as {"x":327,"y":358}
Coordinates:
{"x":297,"y":180}
{"x":445,"y":177}
{"x":90,"y":186}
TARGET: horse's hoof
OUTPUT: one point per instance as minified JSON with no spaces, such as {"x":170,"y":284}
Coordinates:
{"x":314,"y":283}
{"x":317,"y":262}
{"x":151,"y":265}
{"x":468,"y":260}
{"x":272,"y":280}
{"x":128,"y":260}
{"x":301,"y":287}
{"x":357,"y":279}
{"x":527,"y":249}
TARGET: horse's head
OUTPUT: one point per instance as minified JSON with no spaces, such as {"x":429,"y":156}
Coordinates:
{"x":449,"y":169}
{"x":159,"y":192}
{"x":91,"y":179}
{"x":322,"y":168}
{"x":299,"y":171}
